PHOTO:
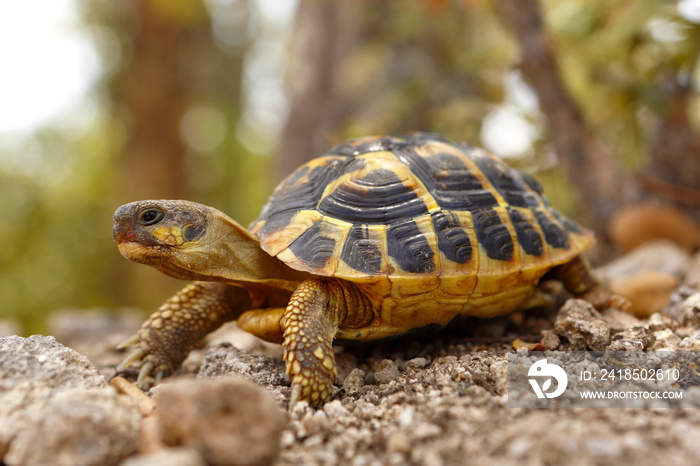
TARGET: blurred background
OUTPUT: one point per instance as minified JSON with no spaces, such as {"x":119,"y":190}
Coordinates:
{"x":103,"y":103}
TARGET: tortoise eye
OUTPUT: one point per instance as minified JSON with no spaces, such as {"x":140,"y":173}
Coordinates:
{"x":150,"y":217}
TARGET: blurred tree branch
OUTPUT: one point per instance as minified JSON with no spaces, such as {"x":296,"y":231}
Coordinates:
{"x":602,"y":185}
{"x":673,"y":170}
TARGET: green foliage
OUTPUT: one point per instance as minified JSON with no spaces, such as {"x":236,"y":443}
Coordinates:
{"x":56,"y":230}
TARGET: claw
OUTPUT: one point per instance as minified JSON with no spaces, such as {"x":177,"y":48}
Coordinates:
{"x":133,"y":340}
{"x":295,"y":396}
{"x":136,"y":355}
{"x":159,"y":376}
{"x":145,"y":371}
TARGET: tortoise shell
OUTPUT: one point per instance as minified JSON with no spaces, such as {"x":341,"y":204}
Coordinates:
{"x":404,"y":215}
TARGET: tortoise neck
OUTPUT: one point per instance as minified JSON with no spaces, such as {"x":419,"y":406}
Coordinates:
{"x":232,"y":254}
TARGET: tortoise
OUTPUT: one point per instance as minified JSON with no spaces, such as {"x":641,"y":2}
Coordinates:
{"x":379,"y":236}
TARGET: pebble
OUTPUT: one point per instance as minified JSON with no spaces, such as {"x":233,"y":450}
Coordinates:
{"x":416,"y":363}
{"x":637,"y":334}
{"x":229,"y":421}
{"x":691,"y":342}
{"x":355,"y":380}
{"x":386,"y":372}
{"x":86,"y":426}
{"x":659,"y":321}
{"x":335,"y":409}
{"x":582,"y":325}
{"x":550,"y":341}
{"x":625,"y":345}
{"x":619,"y":320}
{"x":55,"y":408}
{"x":690,"y":311}
{"x":224,"y":359}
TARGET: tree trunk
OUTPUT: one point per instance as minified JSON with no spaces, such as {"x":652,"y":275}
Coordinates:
{"x":325,"y":32}
{"x":153,"y":92}
{"x":673,"y":172}
{"x":603,"y":187}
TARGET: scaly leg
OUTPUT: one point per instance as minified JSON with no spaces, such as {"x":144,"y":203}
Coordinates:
{"x":169,"y":334}
{"x":579,"y":278}
{"x":315,"y":311}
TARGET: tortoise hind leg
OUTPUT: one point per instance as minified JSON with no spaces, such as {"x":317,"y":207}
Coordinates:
{"x":578,"y":277}
{"x":311,"y":320}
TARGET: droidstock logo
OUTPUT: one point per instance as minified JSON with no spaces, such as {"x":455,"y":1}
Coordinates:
{"x":542,"y":369}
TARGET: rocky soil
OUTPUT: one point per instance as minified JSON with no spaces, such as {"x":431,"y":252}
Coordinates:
{"x":437,"y":398}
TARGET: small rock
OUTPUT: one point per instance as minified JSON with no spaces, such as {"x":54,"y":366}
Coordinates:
{"x":386,"y":372}
{"x":625,"y":345}
{"x":355,"y":380}
{"x":619,"y":320}
{"x":691,"y":342}
{"x":335,"y":409}
{"x":79,"y":426}
{"x":675,"y":307}
{"x":229,"y":421}
{"x":224,"y":360}
{"x":550,"y":341}
{"x":638,"y":334}
{"x":582,"y":325}
{"x":658,"y":321}
{"x":43,"y":359}
{"x":416,"y":363}
{"x":316,"y":424}
{"x":691,"y":311}
{"x":648,"y":292}
{"x":446,"y":360}
{"x":666,"y":340}
{"x":32,"y":371}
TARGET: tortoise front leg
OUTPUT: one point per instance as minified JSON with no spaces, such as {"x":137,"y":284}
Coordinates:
{"x":170,"y":333}
{"x":315,"y":311}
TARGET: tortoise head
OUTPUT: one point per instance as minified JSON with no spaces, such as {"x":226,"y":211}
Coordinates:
{"x":175,"y":237}
{"x":192,"y":241}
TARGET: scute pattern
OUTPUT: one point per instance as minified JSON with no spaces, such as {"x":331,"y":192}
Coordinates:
{"x":313,"y":247}
{"x":453,"y":241}
{"x":360,"y":253}
{"x":416,"y":205}
{"x":378,"y":197}
{"x":407,"y":245}
{"x":493,"y":235}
